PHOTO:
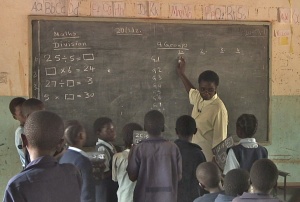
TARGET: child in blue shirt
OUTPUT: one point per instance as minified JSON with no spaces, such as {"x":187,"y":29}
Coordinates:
{"x":263,"y":176}
{"x":76,"y":137}
{"x":247,"y":151}
{"x":236,"y":182}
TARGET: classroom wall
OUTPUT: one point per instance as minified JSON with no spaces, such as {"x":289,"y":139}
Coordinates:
{"x":284,"y":77}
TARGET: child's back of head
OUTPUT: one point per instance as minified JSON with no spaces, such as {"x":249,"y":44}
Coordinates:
{"x":185,"y":127}
{"x":236,"y":182}
{"x":263,"y":175}
{"x":208,"y":175}
{"x":44,"y":130}
{"x":127,"y":133}
{"x":246,"y":125}
{"x":74,"y":133}
{"x":32,"y":105}
{"x":154,"y":122}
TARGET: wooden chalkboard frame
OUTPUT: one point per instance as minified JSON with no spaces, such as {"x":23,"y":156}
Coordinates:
{"x":266,"y":141}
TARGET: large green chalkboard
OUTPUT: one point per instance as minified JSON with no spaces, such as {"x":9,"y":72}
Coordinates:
{"x":85,"y":68}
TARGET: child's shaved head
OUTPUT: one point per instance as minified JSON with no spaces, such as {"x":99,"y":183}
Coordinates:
{"x":208,"y":174}
{"x":236,"y":182}
{"x":44,"y":130}
{"x":264,"y":175}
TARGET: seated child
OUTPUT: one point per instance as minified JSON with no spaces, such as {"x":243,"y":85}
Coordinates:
{"x":75,"y":137}
{"x":15,"y":107}
{"x":191,"y":155}
{"x":263,"y":175}
{"x":44,"y":179}
{"x":155,"y":163}
{"x":236,"y":182}
{"x":106,"y":188}
{"x":120,"y":162}
{"x":209,"y":177}
{"x":247,"y":151}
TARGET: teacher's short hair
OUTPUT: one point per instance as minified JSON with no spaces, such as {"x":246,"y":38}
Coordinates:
{"x":209,"y":76}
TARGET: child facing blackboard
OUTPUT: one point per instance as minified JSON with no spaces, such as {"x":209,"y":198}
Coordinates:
{"x":120,"y":162}
{"x":155,"y":163}
{"x":247,"y":151}
{"x":192,"y":156}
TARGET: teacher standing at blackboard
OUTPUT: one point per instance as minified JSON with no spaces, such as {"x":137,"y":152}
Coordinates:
{"x":209,"y":110}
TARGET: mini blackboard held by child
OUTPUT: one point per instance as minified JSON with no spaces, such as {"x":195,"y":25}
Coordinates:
{"x":139,"y":135}
{"x":220,"y":151}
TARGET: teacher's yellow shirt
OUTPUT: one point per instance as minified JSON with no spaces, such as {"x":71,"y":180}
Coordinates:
{"x":211,"y":119}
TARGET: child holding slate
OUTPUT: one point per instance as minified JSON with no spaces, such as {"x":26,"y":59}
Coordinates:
{"x":106,"y":188}
{"x":247,"y":151}
{"x":155,"y":164}
{"x":192,"y":156}
{"x":120,"y":162}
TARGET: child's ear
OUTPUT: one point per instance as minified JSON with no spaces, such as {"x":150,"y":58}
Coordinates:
{"x":195,"y":131}
{"x":14,"y":116}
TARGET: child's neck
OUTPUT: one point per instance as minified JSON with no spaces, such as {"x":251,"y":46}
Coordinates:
{"x":260,"y":192}
{"x":185,"y":138}
{"x":37,"y":153}
{"x":216,"y":189}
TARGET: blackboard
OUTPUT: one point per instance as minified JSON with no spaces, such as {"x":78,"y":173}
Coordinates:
{"x":85,"y":68}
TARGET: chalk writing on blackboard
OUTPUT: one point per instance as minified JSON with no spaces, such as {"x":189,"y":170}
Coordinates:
{"x":138,"y":136}
{"x":220,"y":151}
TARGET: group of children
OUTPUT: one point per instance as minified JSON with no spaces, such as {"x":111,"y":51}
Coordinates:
{"x":156,"y":169}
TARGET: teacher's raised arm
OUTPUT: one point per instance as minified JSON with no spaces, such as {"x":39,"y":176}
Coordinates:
{"x":209,"y":110}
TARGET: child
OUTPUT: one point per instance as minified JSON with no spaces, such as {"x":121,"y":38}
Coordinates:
{"x":106,"y":188}
{"x":247,"y":151}
{"x":155,"y":163}
{"x":192,"y":156}
{"x":208,"y":111}
{"x":209,"y":177}
{"x":76,"y":137}
{"x":15,"y":107}
{"x":263,"y":175}
{"x":29,"y":106}
{"x":32,"y":105}
{"x":44,"y":179}
{"x":236,"y":182}
{"x":120,"y":162}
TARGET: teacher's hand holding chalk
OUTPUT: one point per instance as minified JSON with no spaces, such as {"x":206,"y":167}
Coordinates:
{"x":181,"y":65}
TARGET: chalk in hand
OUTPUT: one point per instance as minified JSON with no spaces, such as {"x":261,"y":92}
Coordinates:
{"x":180,"y":59}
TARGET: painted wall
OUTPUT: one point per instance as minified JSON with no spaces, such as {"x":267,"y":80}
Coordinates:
{"x":285,"y":71}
